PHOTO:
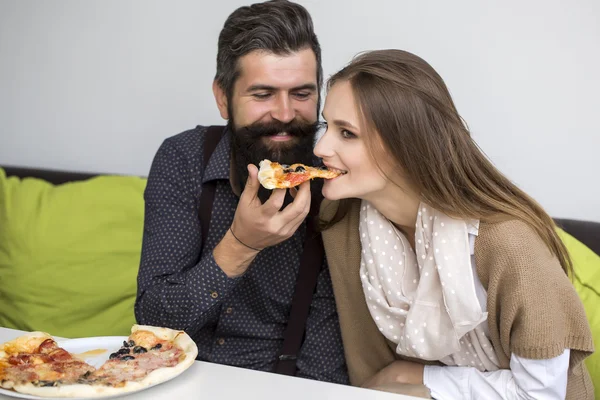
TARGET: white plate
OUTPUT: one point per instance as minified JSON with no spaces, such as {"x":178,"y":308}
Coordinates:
{"x":94,"y":351}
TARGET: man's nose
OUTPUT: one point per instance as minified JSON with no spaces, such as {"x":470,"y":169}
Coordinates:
{"x":283,"y":110}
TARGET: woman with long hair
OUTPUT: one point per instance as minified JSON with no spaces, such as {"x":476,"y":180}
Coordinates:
{"x":445,"y":273}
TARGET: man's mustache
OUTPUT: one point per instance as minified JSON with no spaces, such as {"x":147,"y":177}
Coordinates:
{"x":293,"y":128}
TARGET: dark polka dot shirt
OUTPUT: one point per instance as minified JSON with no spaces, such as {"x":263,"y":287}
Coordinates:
{"x":235,"y":321}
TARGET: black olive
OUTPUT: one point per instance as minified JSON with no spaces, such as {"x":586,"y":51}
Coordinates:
{"x":158,"y":346}
{"x":139,"y":349}
{"x":113,"y":355}
{"x":284,"y":166}
{"x":300,"y":169}
{"x":287,"y":170}
{"x":131,"y":343}
{"x":127,"y":358}
{"x":47,"y":383}
{"x":125,"y":344}
{"x":324,"y":168}
{"x":124,"y":351}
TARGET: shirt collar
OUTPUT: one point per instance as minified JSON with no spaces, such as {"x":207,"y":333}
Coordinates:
{"x":219,"y":164}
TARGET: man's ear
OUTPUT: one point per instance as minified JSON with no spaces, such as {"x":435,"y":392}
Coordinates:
{"x":221,"y":99}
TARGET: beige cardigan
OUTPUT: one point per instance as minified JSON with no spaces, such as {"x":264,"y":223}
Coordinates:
{"x":533,"y":309}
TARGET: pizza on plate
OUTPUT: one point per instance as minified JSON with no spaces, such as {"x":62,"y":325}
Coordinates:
{"x":35,"y":364}
{"x":273,"y":175}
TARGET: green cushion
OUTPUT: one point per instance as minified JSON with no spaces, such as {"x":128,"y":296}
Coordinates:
{"x":69,"y":254}
{"x":586,"y":265}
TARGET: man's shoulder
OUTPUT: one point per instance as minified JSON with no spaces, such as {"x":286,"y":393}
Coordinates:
{"x":190,"y":141}
{"x":188,"y":145}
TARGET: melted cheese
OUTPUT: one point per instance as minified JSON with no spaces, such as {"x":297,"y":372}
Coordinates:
{"x":144,"y":338}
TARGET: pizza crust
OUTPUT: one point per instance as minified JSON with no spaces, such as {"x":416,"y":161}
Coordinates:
{"x":27,"y":343}
{"x":267,"y":176}
{"x":155,"y":377}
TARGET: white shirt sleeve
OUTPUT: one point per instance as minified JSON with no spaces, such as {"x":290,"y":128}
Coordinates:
{"x":526,"y":379}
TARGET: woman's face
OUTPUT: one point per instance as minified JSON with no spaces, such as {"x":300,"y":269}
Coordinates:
{"x":344,"y":147}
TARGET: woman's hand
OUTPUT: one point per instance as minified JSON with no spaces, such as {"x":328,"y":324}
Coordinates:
{"x":398,"y":372}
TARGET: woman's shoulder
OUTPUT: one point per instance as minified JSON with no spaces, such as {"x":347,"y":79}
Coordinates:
{"x":512,"y":247}
{"x":512,"y":237}
{"x":509,"y":232}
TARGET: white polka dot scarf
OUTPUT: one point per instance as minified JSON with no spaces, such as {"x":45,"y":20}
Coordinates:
{"x":424,"y":300}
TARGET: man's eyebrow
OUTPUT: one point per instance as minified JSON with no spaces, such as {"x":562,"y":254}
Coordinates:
{"x":306,"y":86}
{"x":258,"y":87}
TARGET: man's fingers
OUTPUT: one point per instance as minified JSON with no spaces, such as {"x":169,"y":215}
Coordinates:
{"x":252,"y":183}
{"x":303,"y":196}
{"x":275,"y":201}
{"x":305,"y":189}
{"x":295,"y":223}
{"x":293,"y":191}
{"x":300,"y":206}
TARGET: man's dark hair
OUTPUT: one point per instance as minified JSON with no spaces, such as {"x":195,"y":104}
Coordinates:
{"x":280,"y":27}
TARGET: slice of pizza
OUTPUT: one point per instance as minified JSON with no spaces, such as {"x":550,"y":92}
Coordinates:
{"x":273,"y":175}
{"x":150,"y":355}
{"x":34,"y":364}
{"x":36,"y":360}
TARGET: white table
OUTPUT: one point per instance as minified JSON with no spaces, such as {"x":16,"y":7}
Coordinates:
{"x":206,"y":381}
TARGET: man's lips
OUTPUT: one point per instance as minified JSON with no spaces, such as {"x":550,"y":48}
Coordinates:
{"x":280,"y":137}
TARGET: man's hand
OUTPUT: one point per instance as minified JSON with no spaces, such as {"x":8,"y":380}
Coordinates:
{"x":398,"y":372}
{"x":262,"y":225}
{"x":257,"y":226}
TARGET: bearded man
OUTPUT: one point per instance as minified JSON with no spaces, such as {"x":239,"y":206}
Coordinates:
{"x":226,"y":269}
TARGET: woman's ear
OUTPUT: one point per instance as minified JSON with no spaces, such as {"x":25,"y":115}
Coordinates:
{"x":221,"y":99}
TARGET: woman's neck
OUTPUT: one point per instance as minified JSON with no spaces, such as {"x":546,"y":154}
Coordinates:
{"x":400,"y":207}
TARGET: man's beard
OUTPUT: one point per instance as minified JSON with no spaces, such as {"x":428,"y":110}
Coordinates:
{"x":248,"y":147}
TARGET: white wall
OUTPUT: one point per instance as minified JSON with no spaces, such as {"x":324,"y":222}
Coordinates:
{"x":97,"y":85}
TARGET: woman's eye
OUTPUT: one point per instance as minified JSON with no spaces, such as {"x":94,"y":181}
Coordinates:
{"x":346,"y":134}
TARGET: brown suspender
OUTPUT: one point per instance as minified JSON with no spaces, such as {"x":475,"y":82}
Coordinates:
{"x":211,"y":140}
{"x":310,"y":264}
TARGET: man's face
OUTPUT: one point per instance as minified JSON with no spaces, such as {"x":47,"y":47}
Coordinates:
{"x":272,"y":111}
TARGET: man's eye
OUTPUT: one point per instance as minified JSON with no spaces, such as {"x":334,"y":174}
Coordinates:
{"x":261,"y":96}
{"x":302,"y":95}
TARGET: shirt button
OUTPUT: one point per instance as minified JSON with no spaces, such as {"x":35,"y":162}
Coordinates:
{"x":221,"y":341}
{"x":214,"y":295}
{"x":229,"y":310}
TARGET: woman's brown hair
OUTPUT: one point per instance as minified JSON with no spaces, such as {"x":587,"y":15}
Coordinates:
{"x":404,"y":100}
